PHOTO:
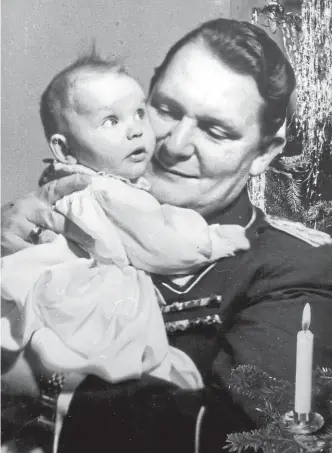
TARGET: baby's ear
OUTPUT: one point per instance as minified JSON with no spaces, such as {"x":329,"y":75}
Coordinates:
{"x":59,"y":146}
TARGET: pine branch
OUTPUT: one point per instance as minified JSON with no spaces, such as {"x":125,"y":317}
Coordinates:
{"x":293,"y":194}
{"x":312,"y":443}
{"x":295,"y":164}
{"x":320,"y":213}
{"x":323,"y":374}
{"x":284,"y":192}
{"x":290,"y":165}
{"x":270,"y":412}
{"x":322,"y":389}
{"x":247,"y":380}
{"x":269,"y":439}
{"x":327,"y":437}
{"x":275,"y":437}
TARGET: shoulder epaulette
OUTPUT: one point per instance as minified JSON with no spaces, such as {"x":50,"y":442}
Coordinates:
{"x":311,"y":236}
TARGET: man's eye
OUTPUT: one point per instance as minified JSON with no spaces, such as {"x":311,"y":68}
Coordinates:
{"x":217,"y":134}
{"x":110,"y":121}
{"x":168,"y":113}
{"x":163,"y":109}
{"x":140,"y":113}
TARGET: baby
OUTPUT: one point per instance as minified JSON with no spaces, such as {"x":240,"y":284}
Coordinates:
{"x":96,"y":311}
{"x":94,"y":114}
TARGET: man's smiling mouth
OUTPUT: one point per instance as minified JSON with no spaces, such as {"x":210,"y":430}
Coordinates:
{"x":174,"y":171}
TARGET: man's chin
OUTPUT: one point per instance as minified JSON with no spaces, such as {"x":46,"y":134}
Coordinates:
{"x":172,"y":192}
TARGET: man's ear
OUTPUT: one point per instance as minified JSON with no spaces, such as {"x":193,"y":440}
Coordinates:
{"x":270,"y":149}
{"x":59,"y":146}
{"x":261,"y":162}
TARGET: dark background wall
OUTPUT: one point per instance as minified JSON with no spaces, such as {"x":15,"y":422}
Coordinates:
{"x":40,"y":37}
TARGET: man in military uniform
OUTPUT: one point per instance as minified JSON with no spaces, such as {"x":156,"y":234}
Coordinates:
{"x":217,"y":103}
{"x":251,"y":313}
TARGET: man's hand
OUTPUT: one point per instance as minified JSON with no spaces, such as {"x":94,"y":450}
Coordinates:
{"x":35,"y":209}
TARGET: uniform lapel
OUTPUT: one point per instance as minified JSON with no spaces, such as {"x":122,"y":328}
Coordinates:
{"x":239,"y":212}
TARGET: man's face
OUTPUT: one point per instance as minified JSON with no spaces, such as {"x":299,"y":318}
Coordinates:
{"x":108,"y":128}
{"x":206,"y":118}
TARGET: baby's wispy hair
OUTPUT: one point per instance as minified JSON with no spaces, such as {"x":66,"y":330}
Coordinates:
{"x":56,"y":96}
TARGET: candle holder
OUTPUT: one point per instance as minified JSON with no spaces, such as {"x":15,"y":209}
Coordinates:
{"x":278,"y":431}
{"x":302,"y":423}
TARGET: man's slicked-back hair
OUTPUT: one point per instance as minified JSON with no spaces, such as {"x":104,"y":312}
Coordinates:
{"x":56,"y":96}
{"x":248,"y":50}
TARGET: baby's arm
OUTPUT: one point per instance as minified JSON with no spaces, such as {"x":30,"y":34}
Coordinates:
{"x":157,"y":238}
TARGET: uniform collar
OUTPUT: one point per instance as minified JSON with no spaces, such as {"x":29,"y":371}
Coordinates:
{"x":239,"y":212}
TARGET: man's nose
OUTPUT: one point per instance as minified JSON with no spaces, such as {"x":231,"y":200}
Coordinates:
{"x":179,"y":140}
{"x":134,"y":131}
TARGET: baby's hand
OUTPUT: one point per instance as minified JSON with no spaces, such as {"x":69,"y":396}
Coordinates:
{"x":228,"y":239}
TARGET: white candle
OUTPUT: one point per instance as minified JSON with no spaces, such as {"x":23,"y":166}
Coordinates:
{"x":304,"y":352}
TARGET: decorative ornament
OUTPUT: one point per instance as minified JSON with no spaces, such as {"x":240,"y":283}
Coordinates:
{"x":271,"y":15}
{"x":274,"y":13}
{"x":312,"y":62}
{"x":308,"y":44}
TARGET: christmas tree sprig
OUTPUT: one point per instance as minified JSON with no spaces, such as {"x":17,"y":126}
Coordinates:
{"x":266,"y":393}
{"x":270,"y":439}
{"x":247,"y":380}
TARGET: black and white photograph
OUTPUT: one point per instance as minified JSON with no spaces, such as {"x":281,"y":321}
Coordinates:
{"x":166,"y":222}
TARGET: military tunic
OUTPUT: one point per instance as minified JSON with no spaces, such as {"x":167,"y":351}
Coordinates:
{"x":244,"y":309}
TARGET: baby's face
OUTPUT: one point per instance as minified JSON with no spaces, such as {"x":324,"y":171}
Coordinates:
{"x":107,"y":124}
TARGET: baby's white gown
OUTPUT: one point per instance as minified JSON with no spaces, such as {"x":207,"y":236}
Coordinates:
{"x":101,"y":315}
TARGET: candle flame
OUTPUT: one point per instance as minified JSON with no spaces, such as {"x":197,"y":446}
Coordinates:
{"x":306,"y":317}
